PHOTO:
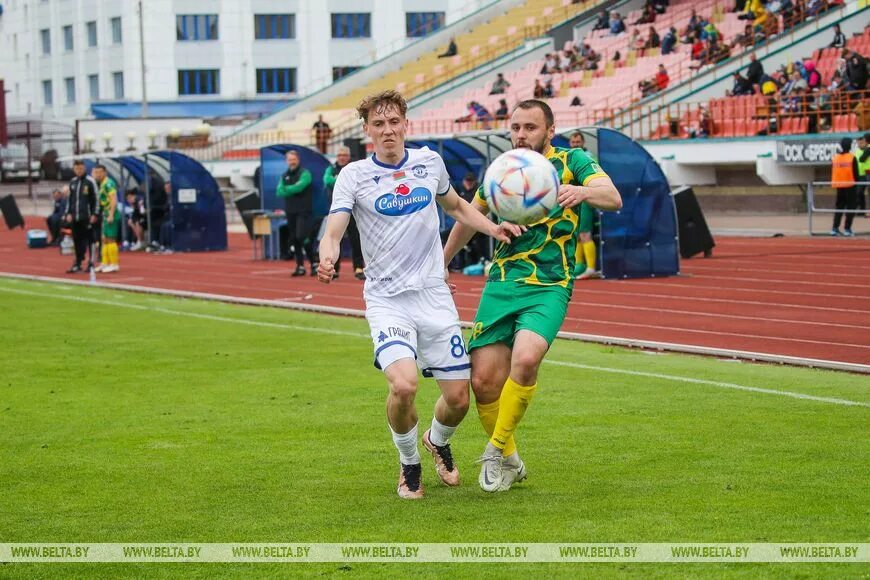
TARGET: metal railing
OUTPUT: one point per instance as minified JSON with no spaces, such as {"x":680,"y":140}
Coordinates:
{"x":811,"y":202}
{"x":810,"y":113}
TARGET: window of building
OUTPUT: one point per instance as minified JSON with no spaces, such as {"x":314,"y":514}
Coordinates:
{"x":276,"y":80}
{"x":269,"y":26}
{"x":67,"y":38}
{"x":45,"y":36}
{"x":70,"y":85}
{"x":47,"y":93}
{"x":342,"y":71}
{"x":92,"y":33}
{"x":94,"y":87}
{"x":423,"y":23}
{"x":346,"y":25}
{"x":118,"y":82}
{"x":199,"y":82}
{"x":196,"y":27}
{"x":116,"y":30}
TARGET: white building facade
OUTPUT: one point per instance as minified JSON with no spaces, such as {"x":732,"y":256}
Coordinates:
{"x":57,"y":57}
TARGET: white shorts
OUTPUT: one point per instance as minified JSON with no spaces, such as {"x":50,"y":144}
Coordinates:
{"x":422,"y":324}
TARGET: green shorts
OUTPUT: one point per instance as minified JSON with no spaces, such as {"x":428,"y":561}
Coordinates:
{"x":507,"y":307}
{"x":587,"y":217}
{"x":110,"y":230}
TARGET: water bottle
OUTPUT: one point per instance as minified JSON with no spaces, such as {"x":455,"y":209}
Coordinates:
{"x":66,"y":246}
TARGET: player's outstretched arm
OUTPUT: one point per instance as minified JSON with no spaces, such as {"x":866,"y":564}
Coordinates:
{"x":464,"y":213}
{"x":599,"y":193}
{"x":330,"y":244}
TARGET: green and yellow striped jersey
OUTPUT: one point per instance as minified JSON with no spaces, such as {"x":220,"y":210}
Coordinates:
{"x":108,"y":190}
{"x":544,"y":254}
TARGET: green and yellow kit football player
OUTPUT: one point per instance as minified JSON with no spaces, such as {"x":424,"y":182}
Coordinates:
{"x":526,"y":296}
{"x":108,"y":200}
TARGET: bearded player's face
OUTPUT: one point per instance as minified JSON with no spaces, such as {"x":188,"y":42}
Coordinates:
{"x":529,"y":130}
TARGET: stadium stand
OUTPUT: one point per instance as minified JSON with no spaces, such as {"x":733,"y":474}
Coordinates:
{"x":832,"y":107}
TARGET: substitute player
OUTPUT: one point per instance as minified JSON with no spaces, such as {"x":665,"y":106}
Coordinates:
{"x":409,"y":306}
{"x":585,"y":255}
{"x":526,"y":296}
{"x":107,"y":198}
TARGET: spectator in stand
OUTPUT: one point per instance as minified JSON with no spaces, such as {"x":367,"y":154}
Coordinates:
{"x":839,"y":38}
{"x":751,"y":9}
{"x":662,"y":78}
{"x":635,"y":42}
{"x":813,"y":78}
{"x":321,"y":133}
{"x":564,"y":61}
{"x":693,"y":28}
{"x":669,"y":42}
{"x":653,"y":40}
{"x":697,"y":48}
{"x":502,"y":112}
{"x":549,"y":91}
{"x":617,"y":26}
{"x":479,"y":113}
{"x":856,"y":72}
{"x":844,"y":173}
{"x":55,"y":220}
{"x":710,"y":32}
{"x":755,"y":70}
{"x":538,"y":91}
{"x":592,"y":59}
{"x":742,"y":86}
{"x":452,"y":49}
{"x":745,"y":39}
{"x":551,"y":65}
{"x":616,"y":56}
{"x":500,"y":85}
{"x":603,"y":22}
{"x":768,"y":86}
{"x":760,"y":16}
{"x":649,"y":14}
{"x":815,"y":7}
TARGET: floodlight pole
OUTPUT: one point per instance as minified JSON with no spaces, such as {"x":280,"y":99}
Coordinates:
{"x":142,"y":62}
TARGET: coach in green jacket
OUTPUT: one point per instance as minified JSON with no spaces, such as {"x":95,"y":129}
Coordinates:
{"x":342,"y":158}
{"x":295,"y":188}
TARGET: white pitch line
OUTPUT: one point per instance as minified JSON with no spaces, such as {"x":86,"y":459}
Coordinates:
{"x":65,"y":283}
{"x":735,"y":386}
{"x":185,"y":313}
{"x":716,"y":315}
{"x":232,"y":320}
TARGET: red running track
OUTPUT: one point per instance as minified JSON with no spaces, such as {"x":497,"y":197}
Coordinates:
{"x":798,"y":297}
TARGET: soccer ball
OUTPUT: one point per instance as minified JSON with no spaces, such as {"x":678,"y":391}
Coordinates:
{"x":521,"y":186}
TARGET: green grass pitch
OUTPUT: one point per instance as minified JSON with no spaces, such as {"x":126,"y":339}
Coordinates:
{"x":135,"y":418}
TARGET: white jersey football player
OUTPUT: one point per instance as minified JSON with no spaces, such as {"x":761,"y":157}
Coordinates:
{"x":409,"y":306}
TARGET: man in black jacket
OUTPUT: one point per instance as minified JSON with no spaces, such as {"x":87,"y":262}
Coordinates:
{"x":755,"y":71}
{"x":342,"y":158}
{"x":295,"y":188}
{"x":81,"y":214}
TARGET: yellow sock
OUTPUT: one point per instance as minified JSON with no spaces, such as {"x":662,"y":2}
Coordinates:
{"x":104,"y":255}
{"x":579,"y":258}
{"x":113,"y":253}
{"x":514,"y":401}
{"x":488,"y":414}
{"x":589,"y":251}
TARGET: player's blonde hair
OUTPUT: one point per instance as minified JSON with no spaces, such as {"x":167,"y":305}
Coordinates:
{"x":380,"y":102}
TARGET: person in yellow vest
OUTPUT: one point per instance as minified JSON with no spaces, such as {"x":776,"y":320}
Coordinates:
{"x":844,"y":173}
{"x":863,"y":156}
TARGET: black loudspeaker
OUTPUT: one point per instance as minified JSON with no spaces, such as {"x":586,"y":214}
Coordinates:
{"x":695,"y":236}
{"x":10,"y":212}
{"x":245,"y":204}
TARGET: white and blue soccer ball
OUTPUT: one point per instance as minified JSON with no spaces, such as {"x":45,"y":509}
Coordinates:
{"x":521,"y":186}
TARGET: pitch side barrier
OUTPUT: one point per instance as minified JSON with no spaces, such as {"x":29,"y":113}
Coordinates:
{"x":811,"y":204}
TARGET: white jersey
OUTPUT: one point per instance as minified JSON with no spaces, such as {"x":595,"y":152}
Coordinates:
{"x":394,"y":208}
